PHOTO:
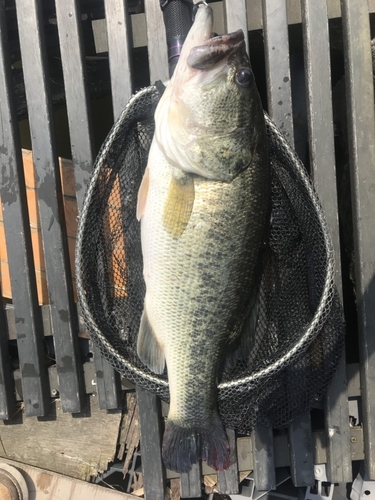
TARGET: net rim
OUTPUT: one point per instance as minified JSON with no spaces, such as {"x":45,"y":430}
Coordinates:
{"x":102,"y":340}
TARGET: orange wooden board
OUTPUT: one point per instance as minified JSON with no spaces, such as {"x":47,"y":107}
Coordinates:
{"x":71,"y":220}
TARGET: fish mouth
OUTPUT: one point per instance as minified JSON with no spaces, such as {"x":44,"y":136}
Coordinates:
{"x":215,"y":49}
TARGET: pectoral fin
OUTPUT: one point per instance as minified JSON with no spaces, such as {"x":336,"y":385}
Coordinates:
{"x":179,"y":204}
{"x":148,"y":348}
{"x":142,"y":194}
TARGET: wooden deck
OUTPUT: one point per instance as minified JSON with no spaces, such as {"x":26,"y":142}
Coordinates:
{"x":72,"y":405}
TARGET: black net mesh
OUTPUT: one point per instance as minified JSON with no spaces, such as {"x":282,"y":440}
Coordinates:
{"x":299,"y":337}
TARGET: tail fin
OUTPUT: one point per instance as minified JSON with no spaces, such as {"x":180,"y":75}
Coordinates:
{"x":184,"y":446}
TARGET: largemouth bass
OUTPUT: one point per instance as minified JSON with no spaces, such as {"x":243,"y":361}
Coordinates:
{"x":204,"y":205}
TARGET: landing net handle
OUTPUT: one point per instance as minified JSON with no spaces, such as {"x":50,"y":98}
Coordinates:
{"x":178,"y":18}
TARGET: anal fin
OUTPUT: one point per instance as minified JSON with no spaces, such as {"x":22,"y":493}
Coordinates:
{"x":148,"y":348}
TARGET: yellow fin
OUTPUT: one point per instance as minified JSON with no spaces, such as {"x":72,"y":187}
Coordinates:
{"x":142,"y":194}
{"x":179,"y":204}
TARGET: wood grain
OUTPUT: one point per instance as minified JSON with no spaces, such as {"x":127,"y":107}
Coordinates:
{"x":79,"y":446}
{"x":71,"y":219}
{"x":70,"y":206}
{"x":44,"y":485}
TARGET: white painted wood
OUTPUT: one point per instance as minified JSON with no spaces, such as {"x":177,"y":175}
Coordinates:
{"x":119,"y":46}
{"x":253,"y":13}
{"x":236,"y":17}
{"x":156,"y":42}
{"x":44,"y":485}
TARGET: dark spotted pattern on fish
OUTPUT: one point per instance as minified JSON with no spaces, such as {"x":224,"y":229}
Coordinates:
{"x":202,"y":246}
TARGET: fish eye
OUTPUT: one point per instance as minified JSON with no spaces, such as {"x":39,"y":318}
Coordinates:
{"x":244,"y":77}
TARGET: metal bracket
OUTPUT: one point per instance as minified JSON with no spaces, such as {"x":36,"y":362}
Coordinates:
{"x":248,"y":488}
{"x":320,"y":474}
{"x":362,"y":488}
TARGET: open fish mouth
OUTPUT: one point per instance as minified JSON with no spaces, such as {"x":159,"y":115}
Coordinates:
{"x":213,"y":50}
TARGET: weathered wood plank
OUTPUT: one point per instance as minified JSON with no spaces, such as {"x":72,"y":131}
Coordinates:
{"x":82,"y":145}
{"x":191,"y":483}
{"x":254,"y":18}
{"x":17,"y":230}
{"x":119,"y":49}
{"x":70,"y":209}
{"x":361,"y":131}
{"x":263,"y":458}
{"x":276,"y":42}
{"x":51,"y":210}
{"x":43,"y":485}
{"x":279,"y":94}
{"x":301,"y":456}
{"x":322,"y":161}
{"x":150,"y":427}
{"x":156,"y":42}
{"x":74,"y":72}
{"x":132,"y":442}
{"x":129,"y":412}
{"x":64,"y":443}
{"x":235,"y":16}
{"x":107,"y":382}
{"x":7,"y":393}
{"x":228,"y":479}
{"x":149,"y":405}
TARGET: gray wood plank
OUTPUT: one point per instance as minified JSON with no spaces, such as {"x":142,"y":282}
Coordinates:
{"x":228,"y":479}
{"x":149,"y":405}
{"x":156,"y":42}
{"x":235,"y":17}
{"x":7,"y":389}
{"x":28,"y":319}
{"x":77,"y":447}
{"x":191,"y":483}
{"x":320,"y":118}
{"x":50,"y":203}
{"x":322,"y":164}
{"x":361,"y":131}
{"x":120,"y":63}
{"x":276,"y":43}
{"x":74,"y":72}
{"x":263,"y":458}
{"x":81,"y":139}
{"x":279,"y":94}
{"x":301,"y":457}
{"x":301,"y":453}
{"x":107,"y":383}
{"x":119,"y":50}
{"x":150,"y":426}
{"x":339,"y":455}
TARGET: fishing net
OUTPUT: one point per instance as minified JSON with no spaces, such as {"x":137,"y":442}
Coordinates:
{"x":299,"y":336}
